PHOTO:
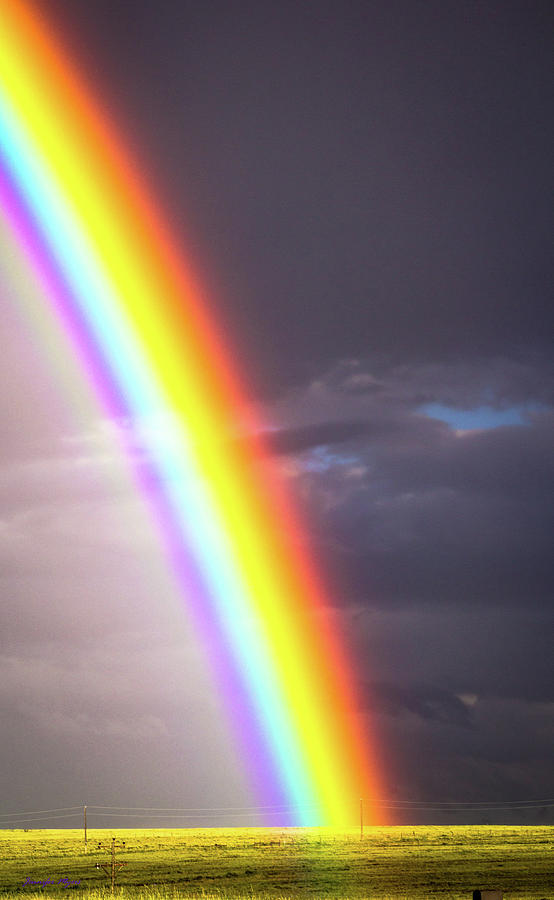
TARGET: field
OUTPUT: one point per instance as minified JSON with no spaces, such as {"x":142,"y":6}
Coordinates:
{"x":390,"y":862}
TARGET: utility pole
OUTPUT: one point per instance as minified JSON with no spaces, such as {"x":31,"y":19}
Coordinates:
{"x":111,"y":867}
{"x":361,"y":818}
{"x":85,"y":825}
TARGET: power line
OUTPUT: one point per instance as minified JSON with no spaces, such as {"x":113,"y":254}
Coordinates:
{"x":389,"y":803}
{"x":447,"y":804}
{"x":33,"y":812}
{"x":261,"y":810}
{"x":453,"y":807}
{"x":211,"y":812}
{"x":213,"y":815}
{"x":41,"y":818}
{"x":281,"y":806}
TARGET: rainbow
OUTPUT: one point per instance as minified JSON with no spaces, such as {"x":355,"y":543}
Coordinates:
{"x":130,"y":305}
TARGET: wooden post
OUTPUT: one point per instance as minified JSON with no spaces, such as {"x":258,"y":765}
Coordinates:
{"x":111,"y":867}
{"x":113,"y":863}
{"x":361,"y":818}
{"x":85,"y":825}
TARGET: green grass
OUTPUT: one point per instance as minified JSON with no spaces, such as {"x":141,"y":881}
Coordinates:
{"x":398,"y":862}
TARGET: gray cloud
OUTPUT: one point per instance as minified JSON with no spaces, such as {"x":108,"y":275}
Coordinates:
{"x":418,"y":511}
{"x":437,"y":547}
{"x":424,"y":701}
{"x":366,"y":191}
{"x":293,"y":440}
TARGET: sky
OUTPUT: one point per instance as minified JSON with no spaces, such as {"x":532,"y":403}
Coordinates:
{"x":365,"y":191}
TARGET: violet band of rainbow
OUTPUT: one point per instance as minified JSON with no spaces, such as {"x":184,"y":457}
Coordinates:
{"x":242,"y":716}
{"x":127,"y":299}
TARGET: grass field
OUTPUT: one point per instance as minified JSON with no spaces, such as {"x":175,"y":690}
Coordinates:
{"x":391,"y":862}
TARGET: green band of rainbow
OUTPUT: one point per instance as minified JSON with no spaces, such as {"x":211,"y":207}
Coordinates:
{"x":123,"y":292}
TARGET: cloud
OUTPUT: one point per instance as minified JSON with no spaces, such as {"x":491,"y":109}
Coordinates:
{"x":408,"y":510}
{"x":294,"y":440}
{"x":436,"y":547}
{"x":381,"y":229}
{"x":424,"y":701}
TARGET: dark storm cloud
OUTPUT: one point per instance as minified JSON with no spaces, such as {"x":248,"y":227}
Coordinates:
{"x":425,"y":701}
{"x":479,"y":728}
{"x":294,"y":440}
{"x":443,"y":518}
{"x":468,"y":652}
{"x":412,"y":511}
{"x":365,"y":188}
{"x":503,"y":756}
{"x":438,"y":544}
{"x":358,"y":178}
{"x":506,"y":462}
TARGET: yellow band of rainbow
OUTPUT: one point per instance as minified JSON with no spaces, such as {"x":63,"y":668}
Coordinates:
{"x":106,"y":257}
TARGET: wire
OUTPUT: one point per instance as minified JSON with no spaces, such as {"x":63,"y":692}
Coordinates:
{"x":448,"y":805}
{"x":214,"y":815}
{"x":465,"y":808}
{"x":445,"y":806}
{"x":39,"y":819}
{"x":176,"y":812}
{"x":259,"y":811}
{"x":33,"y":812}
{"x":282,"y":806}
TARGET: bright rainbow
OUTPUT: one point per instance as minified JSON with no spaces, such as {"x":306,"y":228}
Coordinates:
{"x":131,"y":306}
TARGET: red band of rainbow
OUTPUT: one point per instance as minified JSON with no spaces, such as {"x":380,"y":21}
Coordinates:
{"x":124,"y":295}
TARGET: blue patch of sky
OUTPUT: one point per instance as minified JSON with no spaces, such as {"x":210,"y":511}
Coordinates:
{"x":320,"y":459}
{"x":480,"y":417}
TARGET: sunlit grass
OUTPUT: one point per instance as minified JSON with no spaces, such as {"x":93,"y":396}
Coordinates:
{"x":390,"y":863}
